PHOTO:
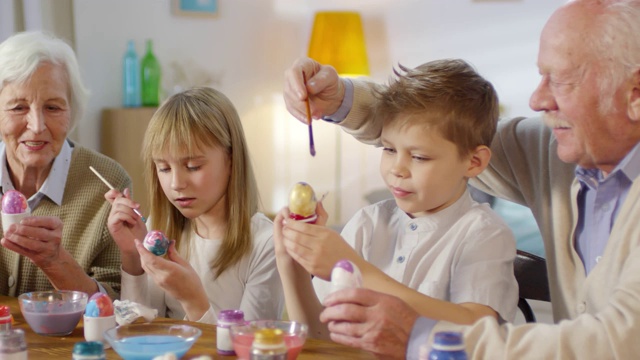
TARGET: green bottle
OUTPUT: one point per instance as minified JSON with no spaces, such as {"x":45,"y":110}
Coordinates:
{"x":150,"y":73}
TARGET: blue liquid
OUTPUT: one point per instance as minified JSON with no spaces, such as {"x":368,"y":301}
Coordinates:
{"x":149,"y":346}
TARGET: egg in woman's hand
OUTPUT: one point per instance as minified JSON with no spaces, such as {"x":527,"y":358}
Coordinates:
{"x":302,"y":203}
{"x":156,"y":242}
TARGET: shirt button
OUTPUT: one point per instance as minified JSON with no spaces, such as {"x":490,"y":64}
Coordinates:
{"x":598,"y":258}
{"x":413,"y":227}
{"x":581,"y":307}
{"x":401,"y":259}
{"x":12,"y":280}
{"x":605,"y":207}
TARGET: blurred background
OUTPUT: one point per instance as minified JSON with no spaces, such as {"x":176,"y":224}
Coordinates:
{"x":243,"y":48}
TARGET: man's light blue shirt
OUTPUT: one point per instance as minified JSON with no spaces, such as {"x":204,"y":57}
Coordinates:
{"x":53,"y":186}
{"x":599,"y":202}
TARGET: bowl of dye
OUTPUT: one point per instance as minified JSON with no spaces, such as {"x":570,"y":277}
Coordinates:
{"x":146,"y":341}
{"x":53,"y":313}
{"x":295,"y":334}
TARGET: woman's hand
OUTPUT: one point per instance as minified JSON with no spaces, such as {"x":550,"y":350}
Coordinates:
{"x":176,"y":277}
{"x":38,"y":238}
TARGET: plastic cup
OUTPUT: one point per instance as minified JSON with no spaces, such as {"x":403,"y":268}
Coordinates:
{"x":94,"y":328}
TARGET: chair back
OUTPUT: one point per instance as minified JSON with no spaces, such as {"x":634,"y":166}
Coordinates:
{"x":533,"y":284}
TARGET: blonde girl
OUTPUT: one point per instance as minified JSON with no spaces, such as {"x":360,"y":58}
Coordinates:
{"x":204,"y":195}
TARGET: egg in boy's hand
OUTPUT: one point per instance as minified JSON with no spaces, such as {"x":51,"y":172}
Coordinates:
{"x":156,"y":242}
{"x":302,"y":203}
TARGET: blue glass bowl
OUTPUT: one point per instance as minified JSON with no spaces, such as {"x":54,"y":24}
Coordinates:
{"x":146,"y":341}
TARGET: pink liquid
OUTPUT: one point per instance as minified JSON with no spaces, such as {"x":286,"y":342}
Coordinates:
{"x":242,"y":345}
{"x":53,"y":324}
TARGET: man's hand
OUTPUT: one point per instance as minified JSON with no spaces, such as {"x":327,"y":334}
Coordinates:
{"x":306,"y":78}
{"x":369,"y":320}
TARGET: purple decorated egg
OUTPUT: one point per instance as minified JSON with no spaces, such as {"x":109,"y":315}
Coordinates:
{"x":13,"y":202}
{"x":156,"y":242}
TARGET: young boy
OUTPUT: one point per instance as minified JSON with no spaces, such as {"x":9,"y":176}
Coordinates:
{"x":447,"y":256}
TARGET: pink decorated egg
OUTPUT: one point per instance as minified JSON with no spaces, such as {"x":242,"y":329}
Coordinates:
{"x":156,"y":242}
{"x":13,"y":202}
{"x":99,"y":305}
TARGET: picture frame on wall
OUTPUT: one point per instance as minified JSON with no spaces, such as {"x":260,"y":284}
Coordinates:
{"x":196,"y":8}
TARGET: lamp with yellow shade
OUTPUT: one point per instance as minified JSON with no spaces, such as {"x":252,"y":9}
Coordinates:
{"x":337,"y":39}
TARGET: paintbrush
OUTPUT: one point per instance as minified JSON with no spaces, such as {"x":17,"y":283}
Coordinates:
{"x":312,"y":148}
{"x":112,"y":188}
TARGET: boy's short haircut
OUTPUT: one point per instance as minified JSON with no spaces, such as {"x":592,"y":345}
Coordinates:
{"x":453,"y":97}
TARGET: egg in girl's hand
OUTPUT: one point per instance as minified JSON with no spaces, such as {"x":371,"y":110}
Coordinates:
{"x":302,"y":203}
{"x":99,"y":305}
{"x":156,"y":242}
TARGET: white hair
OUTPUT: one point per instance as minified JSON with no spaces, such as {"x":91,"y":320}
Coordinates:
{"x":616,"y":41}
{"x":23,"y":53}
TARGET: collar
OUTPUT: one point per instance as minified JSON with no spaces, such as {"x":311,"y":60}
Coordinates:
{"x":629,"y":167}
{"x":441,"y":219}
{"x":53,"y":186}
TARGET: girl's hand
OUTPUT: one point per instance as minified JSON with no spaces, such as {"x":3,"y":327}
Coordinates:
{"x":123,"y":223}
{"x":176,"y":277}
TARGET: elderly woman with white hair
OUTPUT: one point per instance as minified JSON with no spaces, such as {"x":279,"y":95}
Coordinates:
{"x":65,"y":244}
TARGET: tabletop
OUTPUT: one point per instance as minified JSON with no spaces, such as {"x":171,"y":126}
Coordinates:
{"x":50,"y":347}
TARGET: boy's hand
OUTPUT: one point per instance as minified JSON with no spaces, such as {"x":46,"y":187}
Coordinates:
{"x":316,"y":247}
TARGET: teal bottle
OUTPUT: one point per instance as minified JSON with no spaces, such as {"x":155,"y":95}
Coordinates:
{"x":150,"y":71}
{"x":130,"y":77}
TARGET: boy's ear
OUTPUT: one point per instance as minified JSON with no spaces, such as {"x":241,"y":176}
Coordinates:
{"x":478,"y":160}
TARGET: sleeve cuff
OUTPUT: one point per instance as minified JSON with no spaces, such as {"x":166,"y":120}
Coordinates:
{"x":345,"y":107}
{"x":419,"y":335}
{"x":208,"y":318}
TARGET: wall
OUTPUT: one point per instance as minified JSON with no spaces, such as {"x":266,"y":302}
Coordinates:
{"x":245,"y":50}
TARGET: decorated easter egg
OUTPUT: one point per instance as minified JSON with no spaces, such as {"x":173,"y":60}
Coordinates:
{"x":99,"y":305}
{"x":345,"y":274}
{"x":13,"y":202}
{"x":156,"y":242}
{"x":302,"y":202}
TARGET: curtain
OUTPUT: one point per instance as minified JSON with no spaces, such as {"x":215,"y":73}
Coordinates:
{"x":54,"y":16}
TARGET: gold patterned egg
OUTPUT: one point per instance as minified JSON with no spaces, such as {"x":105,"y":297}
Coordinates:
{"x":302,"y":200}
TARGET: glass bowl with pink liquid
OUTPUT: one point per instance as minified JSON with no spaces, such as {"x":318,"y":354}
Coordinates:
{"x":295,"y":334}
{"x":53,"y":313}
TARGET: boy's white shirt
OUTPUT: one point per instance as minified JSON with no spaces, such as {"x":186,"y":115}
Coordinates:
{"x":461,"y":254}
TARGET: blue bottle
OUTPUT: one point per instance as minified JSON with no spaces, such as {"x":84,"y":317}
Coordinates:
{"x":88,"y":350}
{"x":447,"y":346}
{"x":130,"y":77}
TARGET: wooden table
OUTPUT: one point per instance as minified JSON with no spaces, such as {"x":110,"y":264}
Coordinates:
{"x":50,"y":347}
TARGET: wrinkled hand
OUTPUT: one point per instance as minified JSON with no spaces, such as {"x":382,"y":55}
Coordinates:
{"x":369,"y":320}
{"x":173,"y":274}
{"x":38,"y":238}
{"x":123,"y":223}
{"x":314,"y":246}
{"x":323,"y":87}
